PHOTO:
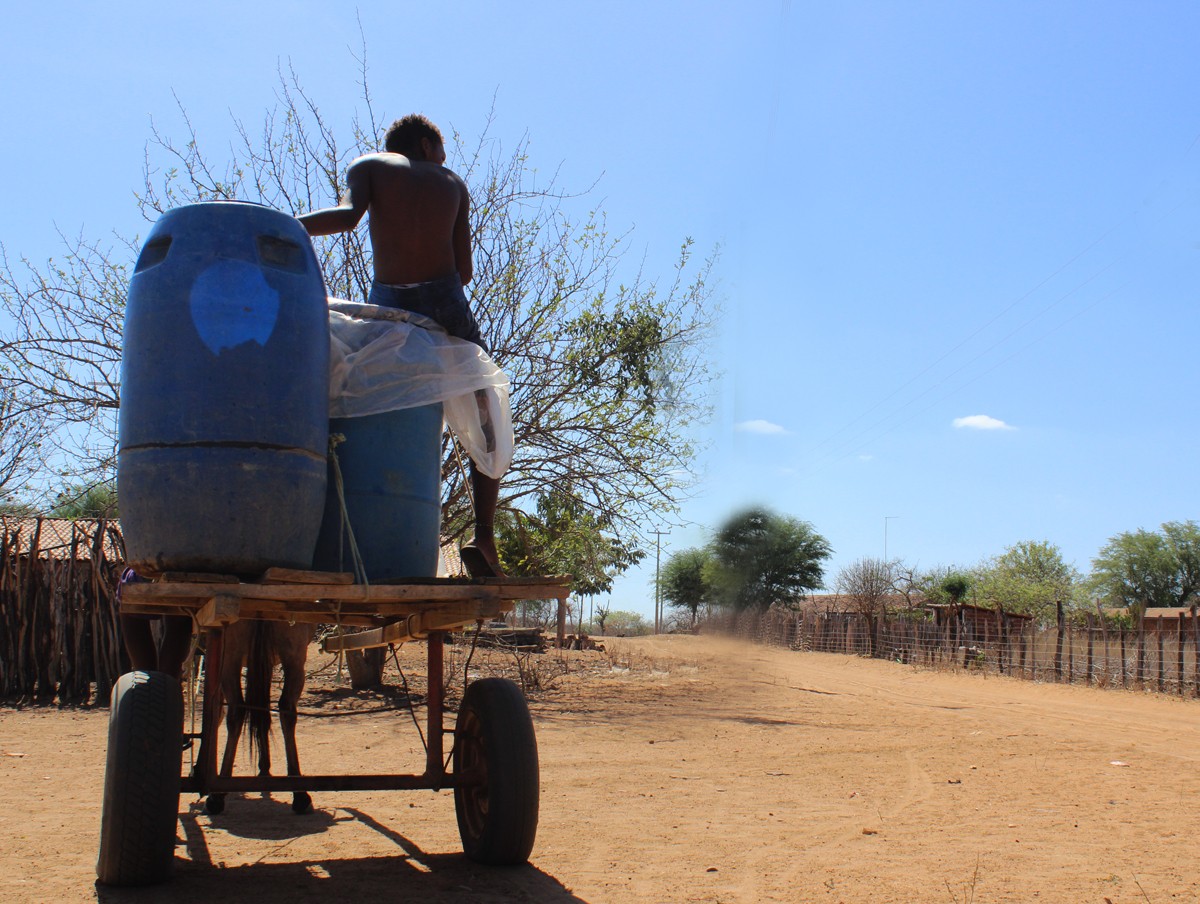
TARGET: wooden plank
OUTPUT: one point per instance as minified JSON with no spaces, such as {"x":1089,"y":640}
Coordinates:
{"x":435,"y":617}
{"x":365,"y":640}
{"x":309,"y":618}
{"x":442,"y":614}
{"x":446,"y":618}
{"x":197,"y":577}
{"x":219,"y":611}
{"x":296,"y":576}
{"x":417,"y":626}
{"x":355,"y":593}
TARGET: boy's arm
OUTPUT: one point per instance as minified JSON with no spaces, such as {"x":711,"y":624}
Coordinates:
{"x":349,"y":212}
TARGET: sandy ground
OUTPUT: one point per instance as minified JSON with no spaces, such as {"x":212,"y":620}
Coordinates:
{"x":696,"y":769}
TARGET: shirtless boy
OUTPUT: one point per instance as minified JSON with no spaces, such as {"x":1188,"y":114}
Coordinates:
{"x":421,"y":240}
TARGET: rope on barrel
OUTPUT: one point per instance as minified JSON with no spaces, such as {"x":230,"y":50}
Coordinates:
{"x":346,"y":532}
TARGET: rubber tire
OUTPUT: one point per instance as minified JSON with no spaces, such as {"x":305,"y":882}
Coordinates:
{"x":497,"y":820}
{"x":141,"y":780}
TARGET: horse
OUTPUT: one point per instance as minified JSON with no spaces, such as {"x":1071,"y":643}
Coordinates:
{"x":259,"y":645}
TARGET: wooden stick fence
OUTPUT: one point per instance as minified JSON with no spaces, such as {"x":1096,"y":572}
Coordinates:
{"x":59,"y":630}
{"x":1164,"y":660}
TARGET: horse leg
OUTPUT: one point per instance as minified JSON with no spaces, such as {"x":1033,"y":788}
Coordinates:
{"x":292,"y":647}
{"x":233,"y":653}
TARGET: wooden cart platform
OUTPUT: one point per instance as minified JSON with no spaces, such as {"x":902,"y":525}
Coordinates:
{"x":494,"y":755}
{"x":423,"y":605}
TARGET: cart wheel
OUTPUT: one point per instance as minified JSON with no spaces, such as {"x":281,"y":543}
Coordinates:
{"x":495,"y":751}
{"x":141,"y":780}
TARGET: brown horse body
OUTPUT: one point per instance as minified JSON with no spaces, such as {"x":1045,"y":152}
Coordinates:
{"x":259,"y":646}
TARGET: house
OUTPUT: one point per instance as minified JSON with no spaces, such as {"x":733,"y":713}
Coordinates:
{"x":842,"y":603}
{"x":1165,"y":620}
{"x":978,"y":621}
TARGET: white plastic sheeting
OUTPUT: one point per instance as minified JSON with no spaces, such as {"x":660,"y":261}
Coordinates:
{"x":384,"y":359}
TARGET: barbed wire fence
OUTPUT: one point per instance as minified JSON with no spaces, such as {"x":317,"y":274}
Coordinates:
{"x":1162,"y":659}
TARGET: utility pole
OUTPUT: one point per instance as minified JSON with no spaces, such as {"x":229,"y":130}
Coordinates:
{"x":657,"y":589}
{"x":886,"y":519}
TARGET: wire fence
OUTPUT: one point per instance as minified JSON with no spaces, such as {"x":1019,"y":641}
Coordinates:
{"x":1162,"y":660}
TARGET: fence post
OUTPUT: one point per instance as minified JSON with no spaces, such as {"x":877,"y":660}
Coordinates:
{"x":1058,"y":645}
{"x":1195,"y":651}
{"x":1088,"y":680}
{"x":1162,"y":666}
{"x":958,"y":638}
{"x":1104,"y":637}
{"x":1022,"y":643}
{"x":1071,"y":656}
{"x":1141,"y":649}
{"x":1124,"y":672}
{"x":1181,"y":636}
{"x":1002,"y":637}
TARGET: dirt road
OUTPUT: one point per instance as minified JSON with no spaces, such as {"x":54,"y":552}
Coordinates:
{"x":697,"y":769}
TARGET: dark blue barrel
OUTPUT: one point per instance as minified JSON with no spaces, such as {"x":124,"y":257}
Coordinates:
{"x":391,"y":475}
{"x":224,"y":421}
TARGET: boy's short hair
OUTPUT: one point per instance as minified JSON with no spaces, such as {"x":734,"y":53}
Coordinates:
{"x":405,"y":135}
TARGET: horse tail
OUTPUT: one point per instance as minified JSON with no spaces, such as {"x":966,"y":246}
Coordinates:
{"x":258,"y":688}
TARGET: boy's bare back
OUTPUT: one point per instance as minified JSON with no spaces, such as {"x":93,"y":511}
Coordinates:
{"x":416,"y":209}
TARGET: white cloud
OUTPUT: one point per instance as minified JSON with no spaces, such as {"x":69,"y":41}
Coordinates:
{"x":866,"y":457}
{"x":765,"y":428}
{"x":981,"y":422}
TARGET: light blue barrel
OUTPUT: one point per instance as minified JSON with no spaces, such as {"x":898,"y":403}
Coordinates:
{"x":391,"y":476}
{"x":224,"y":418}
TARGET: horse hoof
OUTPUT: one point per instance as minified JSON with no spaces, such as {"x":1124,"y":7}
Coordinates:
{"x":301,"y":802}
{"x":214,"y":804}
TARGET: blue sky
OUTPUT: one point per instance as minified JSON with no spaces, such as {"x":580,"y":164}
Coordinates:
{"x":931,"y":214}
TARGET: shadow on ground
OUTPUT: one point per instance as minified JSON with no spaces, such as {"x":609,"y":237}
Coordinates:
{"x":411,"y":874}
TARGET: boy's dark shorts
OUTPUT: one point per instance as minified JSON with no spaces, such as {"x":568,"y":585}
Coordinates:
{"x":442,"y":300}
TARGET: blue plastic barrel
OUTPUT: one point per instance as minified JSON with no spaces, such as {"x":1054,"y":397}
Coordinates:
{"x":224,"y":419}
{"x":391,"y":474}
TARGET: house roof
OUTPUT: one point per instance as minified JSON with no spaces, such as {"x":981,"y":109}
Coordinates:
{"x":56,"y":536}
{"x":971,"y":607}
{"x":842,"y":602}
{"x":1165,"y":612}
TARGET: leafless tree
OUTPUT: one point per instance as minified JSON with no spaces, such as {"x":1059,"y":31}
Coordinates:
{"x":908,"y":583}
{"x":21,"y":438}
{"x":61,"y":359}
{"x":866,"y":585}
{"x":607,"y":364}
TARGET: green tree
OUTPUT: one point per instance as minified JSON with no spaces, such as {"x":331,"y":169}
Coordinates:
{"x":684,"y":581}
{"x":1141,"y":569}
{"x":606,"y":363}
{"x":760,"y":559}
{"x":80,"y":501}
{"x":564,"y":537}
{"x":620,"y":623}
{"x":1183,"y":537}
{"x":956,"y":585}
{"x":1029,"y":577}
